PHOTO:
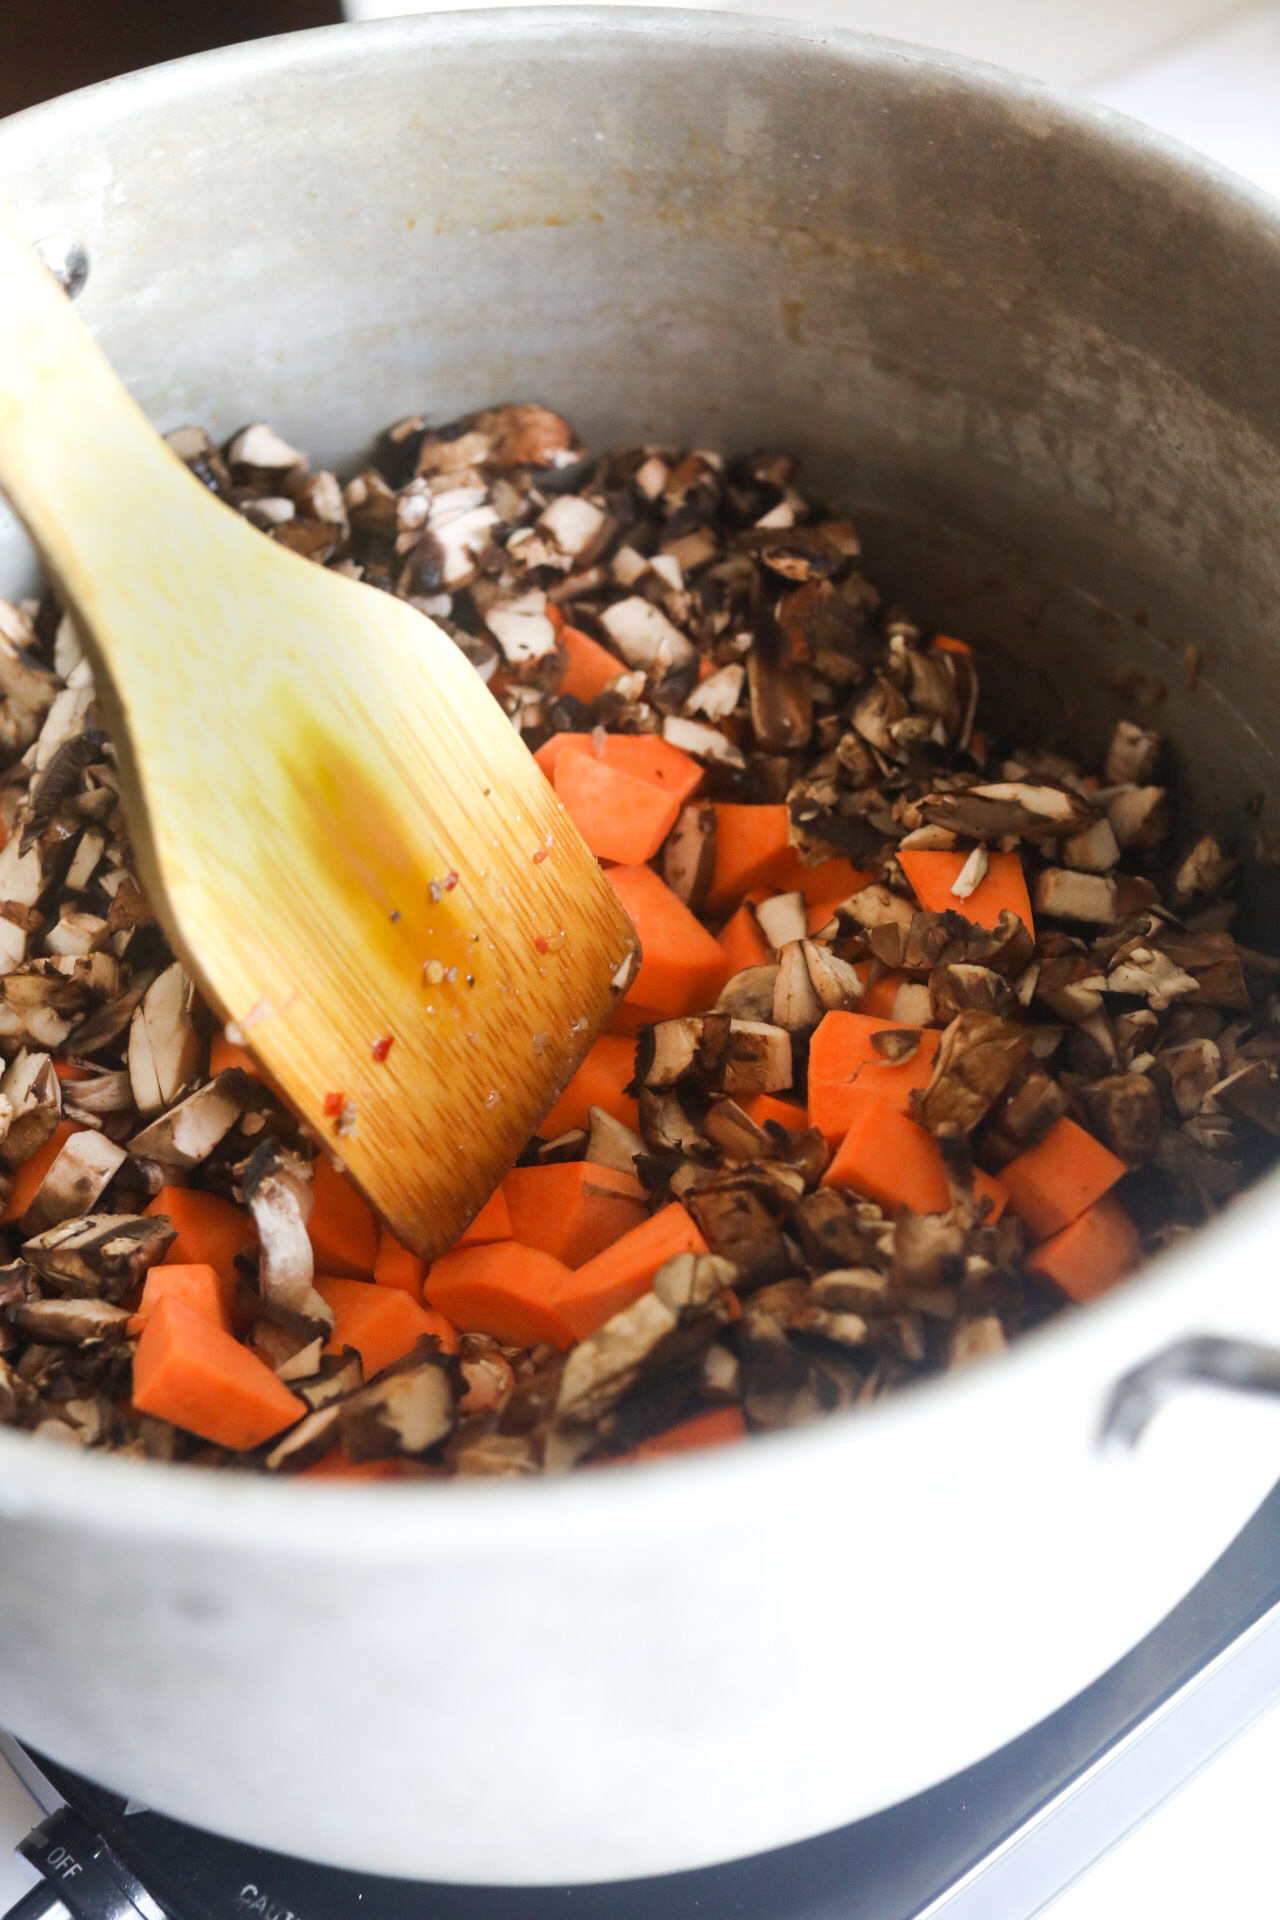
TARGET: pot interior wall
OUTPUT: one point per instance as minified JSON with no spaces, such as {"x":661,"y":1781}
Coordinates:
{"x":1029,"y":355}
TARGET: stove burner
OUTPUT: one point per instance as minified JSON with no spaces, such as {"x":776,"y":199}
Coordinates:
{"x":1000,"y":1839}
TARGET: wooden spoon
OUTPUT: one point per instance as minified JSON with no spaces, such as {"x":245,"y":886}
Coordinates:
{"x":344,"y":839}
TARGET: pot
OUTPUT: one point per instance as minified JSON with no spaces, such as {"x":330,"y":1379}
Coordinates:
{"x":1029,"y":347}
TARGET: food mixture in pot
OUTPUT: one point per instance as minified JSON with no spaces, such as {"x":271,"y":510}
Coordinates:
{"x":933,"y":1035}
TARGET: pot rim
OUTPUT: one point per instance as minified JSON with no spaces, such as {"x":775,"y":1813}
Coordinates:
{"x":149,"y":1500}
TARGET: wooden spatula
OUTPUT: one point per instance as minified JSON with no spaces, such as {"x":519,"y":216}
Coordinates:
{"x":344,"y":839}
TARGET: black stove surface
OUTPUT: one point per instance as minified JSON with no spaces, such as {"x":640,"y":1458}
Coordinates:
{"x":997,"y":1840}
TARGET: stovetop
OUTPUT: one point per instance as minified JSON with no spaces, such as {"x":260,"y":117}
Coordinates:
{"x":996,"y":1842}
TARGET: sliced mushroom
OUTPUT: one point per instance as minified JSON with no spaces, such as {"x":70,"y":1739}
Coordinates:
{"x":1133,"y":755}
{"x":1031,"y":811}
{"x":758,"y":1059}
{"x":1124,"y":1111}
{"x":277,"y":1188}
{"x":704,"y":743}
{"x":604,"y":1366}
{"x":736,"y":1226}
{"x":77,"y":1177}
{"x":1203,"y":872}
{"x":783,"y":919}
{"x":1193,"y":1070}
{"x":666,"y":1127}
{"x":861,"y":1290}
{"x":1253,"y":1092}
{"x":188,"y":1133}
{"x":748,"y":995}
{"x":314,"y":1436}
{"x":836,"y":983}
{"x":33,"y":1092}
{"x":611,"y":1143}
{"x":796,"y":1005}
{"x":793,"y":1305}
{"x":962,"y":988}
{"x":164,"y":1047}
{"x":693,"y":1280}
{"x":71,"y":1323}
{"x":405,"y":1412}
{"x":102,"y":1255}
{"x":644,"y":636}
{"x":1087,"y":898}
{"x":737,"y":1136}
{"x":1152,"y":974}
{"x":339,"y":1375}
{"x":689,"y":855}
{"x":1096,"y":850}
{"x":831,"y":1231}
{"x":978,"y":1057}
{"x":877,"y":907}
{"x":1140,"y":818}
{"x":716,"y":697}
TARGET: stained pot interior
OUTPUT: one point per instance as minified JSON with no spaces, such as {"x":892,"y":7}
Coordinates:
{"x":1027,"y":348}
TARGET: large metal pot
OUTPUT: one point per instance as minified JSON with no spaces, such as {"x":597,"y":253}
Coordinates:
{"x":1031,"y":348}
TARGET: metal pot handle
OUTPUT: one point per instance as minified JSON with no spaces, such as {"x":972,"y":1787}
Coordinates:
{"x":1200,"y":1360}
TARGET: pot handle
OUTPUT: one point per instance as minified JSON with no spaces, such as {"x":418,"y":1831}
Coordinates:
{"x":1200,"y":1360}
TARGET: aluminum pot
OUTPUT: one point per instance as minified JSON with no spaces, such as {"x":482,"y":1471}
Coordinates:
{"x":1031,"y":348}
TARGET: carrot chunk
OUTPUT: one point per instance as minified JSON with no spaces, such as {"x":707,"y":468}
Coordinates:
{"x":683,"y":968}
{"x":620,"y":818}
{"x":943,"y":643}
{"x":210,"y":1230}
{"x":932,"y":875}
{"x":743,"y":942}
{"x":200,"y":1378}
{"x":395,"y":1266}
{"x":572,"y":1211}
{"x":344,"y":1233}
{"x":69,"y":1074}
{"x":493,"y":1222}
{"x":590,"y":666}
{"x":381,"y":1323}
{"x":1050,"y":1185}
{"x":844,"y":1067}
{"x":824,"y":885}
{"x":715,"y":1428}
{"x":643,"y":756}
{"x":29,"y":1177}
{"x":198,"y":1287}
{"x":894,"y":1162}
{"x":504,"y":1290}
{"x":880,"y":996}
{"x":753,"y":844}
{"x":619,"y":1275}
{"x":766,"y":1106}
{"x":1088,"y":1258}
{"x":599,"y":1082}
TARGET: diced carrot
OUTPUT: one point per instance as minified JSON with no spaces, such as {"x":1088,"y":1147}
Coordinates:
{"x":715,"y":1428}
{"x":881,"y":994}
{"x":743,"y":942}
{"x":66,"y":1072}
{"x":752,"y":845}
{"x":210,"y":1230}
{"x":336,"y":1466}
{"x":444,"y":1330}
{"x":608,"y":1068}
{"x":932,"y":875}
{"x":381,"y":1323}
{"x":199,"y":1286}
{"x":395,"y":1266}
{"x":620,"y":818}
{"x":894,"y":1162}
{"x":683,"y":968}
{"x":644,"y":756}
{"x":590,"y":666}
{"x":943,"y":643}
{"x":493,"y":1222}
{"x":199,"y":1377}
{"x":627,"y":1018}
{"x":505,"y":1290}
{"x":842,"y":1059}
{"x":574,"y":1210}
{"x":29,"y":1177}
{"x":1050,"y":1185}
{"x":826,"y":884}
{"x":821,"y":915}
{"x":624,"y":1271}
{"x":344,"y":1233}
{"x":766,"y":1106}
{"x":1088,"y":1258}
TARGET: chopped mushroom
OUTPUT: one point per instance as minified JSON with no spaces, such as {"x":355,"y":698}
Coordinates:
{"x":728,"y":618}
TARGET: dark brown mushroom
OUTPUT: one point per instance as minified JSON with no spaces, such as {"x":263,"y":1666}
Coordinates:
{"x":978,"y":1057}
{"x":103,"y":1255}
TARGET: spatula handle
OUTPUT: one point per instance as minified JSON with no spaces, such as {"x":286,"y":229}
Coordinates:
{"x":68,"y":430}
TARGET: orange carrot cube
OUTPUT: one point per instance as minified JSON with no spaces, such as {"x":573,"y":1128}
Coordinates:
{"x":1100,"y":1248}
{"x":382,"y":1323}
{"x":608,"y":1068}
{"x":618,"y":1276}
{"x":1049,"y":1186}
{"x":197,"y":1376}
{"x":683,"y":968}
{"x":573,"y":1210}
{"x":620,"y":818}
{"x":933,"y":874}
{"x":344,"y":1233}
{"x":504,"y":1290}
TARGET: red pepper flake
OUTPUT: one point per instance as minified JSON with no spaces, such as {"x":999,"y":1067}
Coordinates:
{"x":450,"y":882}
{"x":540,"y":855}
{"x":540,"y":944}
{"x":333,"y":1104}
{"x":381,"y":1048}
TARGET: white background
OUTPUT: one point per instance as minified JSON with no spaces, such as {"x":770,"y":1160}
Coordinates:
{"x":1208,"y":72}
